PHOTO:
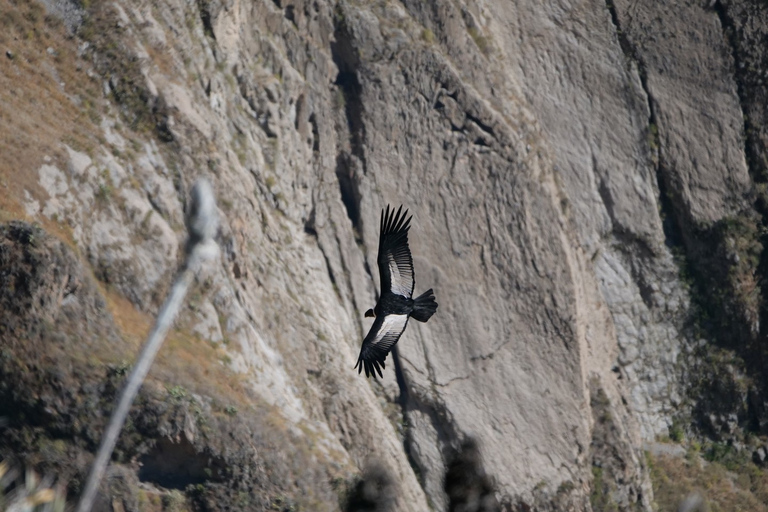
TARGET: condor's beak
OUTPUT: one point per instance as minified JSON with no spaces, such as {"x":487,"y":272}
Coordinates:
{"x":369,"y":313}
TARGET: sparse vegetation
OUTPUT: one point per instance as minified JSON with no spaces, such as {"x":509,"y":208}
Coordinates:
{"x":727,"y":480}
{"x":599,"y":497}
{"x":32,"y":100}
{"x":177,"y":393}
{"x":189,"y":363}
{"x":653,"y":136}
{"x":720,"y":265}
{"x":676,"y":432}
{"x":104,"y":192}
{"x":339,"y":100}
{"x":240,"y":146}
{"x":173,"y":501}
{"x":482,"y":42}
{"x":226,"y":204}
{"x":122,"y":70}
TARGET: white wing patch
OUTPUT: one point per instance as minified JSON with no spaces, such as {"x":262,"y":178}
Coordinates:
{"x":392,"y":327}
{"x":401,"y":276}
{"x":379,"y":342}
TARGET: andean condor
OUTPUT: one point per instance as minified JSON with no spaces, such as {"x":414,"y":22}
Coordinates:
{"x":395,"y":305}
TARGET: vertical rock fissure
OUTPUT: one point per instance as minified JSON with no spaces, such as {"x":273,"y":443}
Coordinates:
{"x":205,"y":18}
{"x":667,"y":197}
{"x":350,"y":191}
{"x":730,"y":35}
{"x":670,"y":225}
{"x":624,"y":42}
{"x":350,"y":163}
{"x":743,"y":75}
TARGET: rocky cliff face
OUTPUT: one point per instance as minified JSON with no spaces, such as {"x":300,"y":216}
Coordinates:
{"x":587,"y":188}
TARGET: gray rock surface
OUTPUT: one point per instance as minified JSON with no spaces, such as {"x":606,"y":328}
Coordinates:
{"x":542,"y":149}
{"x":689,"y":79}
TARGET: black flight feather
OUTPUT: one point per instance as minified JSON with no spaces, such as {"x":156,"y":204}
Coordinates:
{"x":394,"y":258}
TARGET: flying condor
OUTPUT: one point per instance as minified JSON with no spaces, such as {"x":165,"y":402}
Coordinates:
{"x":395,"y":305}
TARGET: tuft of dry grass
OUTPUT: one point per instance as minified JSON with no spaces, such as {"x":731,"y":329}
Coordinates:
{"x":185,"y":359}
{"x":480,"y":40}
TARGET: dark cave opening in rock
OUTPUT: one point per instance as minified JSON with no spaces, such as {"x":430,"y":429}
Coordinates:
{"x":349,"y":188}
{"x":176,"y":465}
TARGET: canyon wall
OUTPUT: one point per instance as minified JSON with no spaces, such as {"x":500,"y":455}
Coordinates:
{"x":587,"y":187}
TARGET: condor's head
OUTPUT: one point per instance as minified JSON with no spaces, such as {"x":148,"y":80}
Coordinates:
{"x":370,"y":314}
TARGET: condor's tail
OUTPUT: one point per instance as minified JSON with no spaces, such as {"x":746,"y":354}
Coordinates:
{"x":424,"y":306}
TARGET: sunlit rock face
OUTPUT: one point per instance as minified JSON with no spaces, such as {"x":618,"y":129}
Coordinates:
{"x":561,"y":162}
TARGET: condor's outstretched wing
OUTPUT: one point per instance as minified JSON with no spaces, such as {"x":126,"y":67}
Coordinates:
{"x":395,"y":262}
{"x":384,"y":333}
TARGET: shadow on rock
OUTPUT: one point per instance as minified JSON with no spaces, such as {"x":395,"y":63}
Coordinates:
{"x":468,"y":487}
{"x":376,"y":491}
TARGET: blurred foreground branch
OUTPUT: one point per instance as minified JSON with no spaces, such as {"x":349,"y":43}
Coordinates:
{"x":201,"y":224}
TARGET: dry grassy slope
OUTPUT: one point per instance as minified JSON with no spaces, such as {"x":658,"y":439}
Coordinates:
{"x":63,"y":360}
{"x":533,"y":146}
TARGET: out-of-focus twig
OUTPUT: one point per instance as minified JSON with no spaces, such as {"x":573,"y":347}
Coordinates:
{"x":202,"y":224}
{"x":30,"y":494}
